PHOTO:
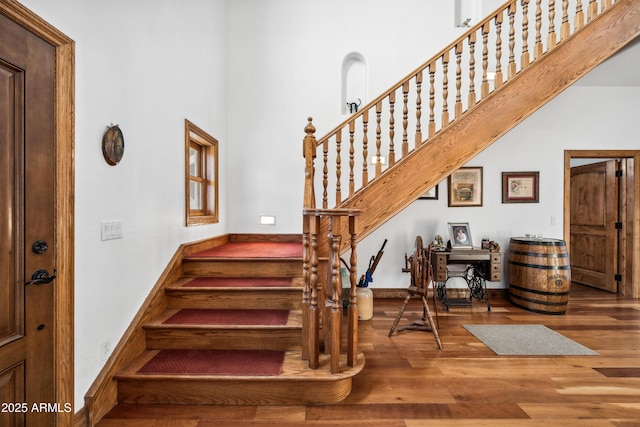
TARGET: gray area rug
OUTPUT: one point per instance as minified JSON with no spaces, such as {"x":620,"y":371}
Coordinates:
{"x":527,"y":340}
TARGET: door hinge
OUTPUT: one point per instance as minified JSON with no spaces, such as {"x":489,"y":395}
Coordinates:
{"x":618,"y":277}
{"x":619,"y":173}
{"x":618,"y":226}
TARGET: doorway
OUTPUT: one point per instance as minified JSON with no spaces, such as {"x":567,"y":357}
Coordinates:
{"x":36,"y":278}
{"x":608,"y":230}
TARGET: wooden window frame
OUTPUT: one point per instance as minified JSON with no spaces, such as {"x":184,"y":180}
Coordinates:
{"x":208,"y":176}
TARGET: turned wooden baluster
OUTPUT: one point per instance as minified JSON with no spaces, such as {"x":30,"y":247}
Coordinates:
{"x":472,"y":69}
{"x":497,"y":80}
{"x":511,"y":70}
{"x":352,"y":317}
{"x":537,"y":47}
{"x":336,"y":299}
{"x":592,"y":11}
{"x":365,"y":152}
{"x":565,"y":27}
{"x":445,"y":89}
{"x":524,"y":59}
{"x":579,"y":18}
{"x":306,"y":288}
{"x":313,"y":321}
{"x":338,"y":167}
{"x":484,"y":89}
{"x":325,"y":173}
{"x":432,"y":99}
{"x":458,"y":104}
{"x":334,"y":305}
{"x":551,"y":38}
{"x":392,"y":132}
{"x":405,"y":119}
{"x":378,"y":138}
{"x":418,"y":138}
{"x":352,"y":129}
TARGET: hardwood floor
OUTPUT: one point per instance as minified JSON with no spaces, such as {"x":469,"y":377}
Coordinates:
{"x":408,"y":382}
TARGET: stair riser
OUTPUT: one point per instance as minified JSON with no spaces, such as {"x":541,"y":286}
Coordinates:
{"x":261,"y":391}
{"x":243,"y":268}
{"x":289,"y":299}
{"x":248,"y":338}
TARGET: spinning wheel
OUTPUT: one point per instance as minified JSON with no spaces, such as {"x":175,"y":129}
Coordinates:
{"x":421,"y":276}
{"x":417,"y":264}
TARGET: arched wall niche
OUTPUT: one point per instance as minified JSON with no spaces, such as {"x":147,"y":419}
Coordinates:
{"x":354,"y":82}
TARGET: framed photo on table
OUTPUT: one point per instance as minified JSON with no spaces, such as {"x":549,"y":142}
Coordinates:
{"x":465,"y":187}
{"x":520,"y":187}
{"x":460,"y":235}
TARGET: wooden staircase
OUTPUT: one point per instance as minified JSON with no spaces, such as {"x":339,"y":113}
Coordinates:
{"x":420,"y":156}
{"x":209,"y":286}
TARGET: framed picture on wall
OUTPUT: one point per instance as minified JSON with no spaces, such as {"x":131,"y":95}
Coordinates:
{"x":465,"y":187}
{"x":432,"y":194}
{"x":460,"y":235}
{"x":520,"y":187}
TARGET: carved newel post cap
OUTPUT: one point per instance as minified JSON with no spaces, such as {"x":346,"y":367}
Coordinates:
{"x":309,"y":129}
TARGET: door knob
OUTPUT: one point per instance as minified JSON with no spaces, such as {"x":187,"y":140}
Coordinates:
{"x":41,"y":277}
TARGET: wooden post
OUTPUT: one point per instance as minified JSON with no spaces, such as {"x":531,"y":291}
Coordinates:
{"x":306,"y":290}
{"x":314,"y":314}
{"x":352,"y":327}
{"x":309,"y":153}
{"x":333,"y":293}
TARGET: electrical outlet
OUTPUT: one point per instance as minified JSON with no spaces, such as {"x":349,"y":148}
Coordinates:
{"x":105,"y":351}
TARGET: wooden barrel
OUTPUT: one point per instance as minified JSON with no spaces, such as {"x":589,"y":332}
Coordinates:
{"x":538,"y":274}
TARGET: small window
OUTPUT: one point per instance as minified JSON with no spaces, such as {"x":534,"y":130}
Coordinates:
{"x":201,"y":176}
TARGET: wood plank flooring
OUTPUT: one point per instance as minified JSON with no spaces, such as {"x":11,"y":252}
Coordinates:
{"x":408,"y":382}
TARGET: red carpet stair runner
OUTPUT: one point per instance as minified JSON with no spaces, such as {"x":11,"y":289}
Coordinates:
{"x":232,"y":334}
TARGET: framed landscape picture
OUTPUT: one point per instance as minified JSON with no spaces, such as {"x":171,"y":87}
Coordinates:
{"x":520,"y":187}
{"x":432,"y":194}
{"x":465,"y":187}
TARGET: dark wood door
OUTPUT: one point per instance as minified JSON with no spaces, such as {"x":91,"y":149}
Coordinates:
{"x":27,"y":239}
{"x":594,"y":214}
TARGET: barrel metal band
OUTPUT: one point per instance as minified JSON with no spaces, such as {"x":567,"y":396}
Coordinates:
{"x":540,"y":267}
{"x":561,"y":255}
{"x":535,"y":291}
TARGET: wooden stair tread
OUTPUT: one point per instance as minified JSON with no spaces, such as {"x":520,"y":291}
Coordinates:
{"x":294,"y":320}
{"x":293,"y":368}
{"x":252,"y":250}
{"x":183,"y":284}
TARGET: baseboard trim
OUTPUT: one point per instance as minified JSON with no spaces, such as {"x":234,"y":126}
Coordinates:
{"x":400,"y":293}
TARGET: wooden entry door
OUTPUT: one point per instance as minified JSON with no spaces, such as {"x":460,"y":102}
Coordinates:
{"x":593,"y":219}
{"x":27,"y":232}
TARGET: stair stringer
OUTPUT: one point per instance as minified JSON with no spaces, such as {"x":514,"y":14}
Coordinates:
{"x":482,"y":125}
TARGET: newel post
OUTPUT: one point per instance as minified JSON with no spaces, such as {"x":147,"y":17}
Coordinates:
{"x":309,"y":153}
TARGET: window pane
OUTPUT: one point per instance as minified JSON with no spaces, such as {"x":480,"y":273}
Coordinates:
{"x":194,"y":162}
{"x":195,"y":192}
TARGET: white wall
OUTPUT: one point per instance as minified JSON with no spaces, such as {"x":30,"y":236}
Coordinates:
{"x":286,"y":65}
{"x":145,"y":65}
